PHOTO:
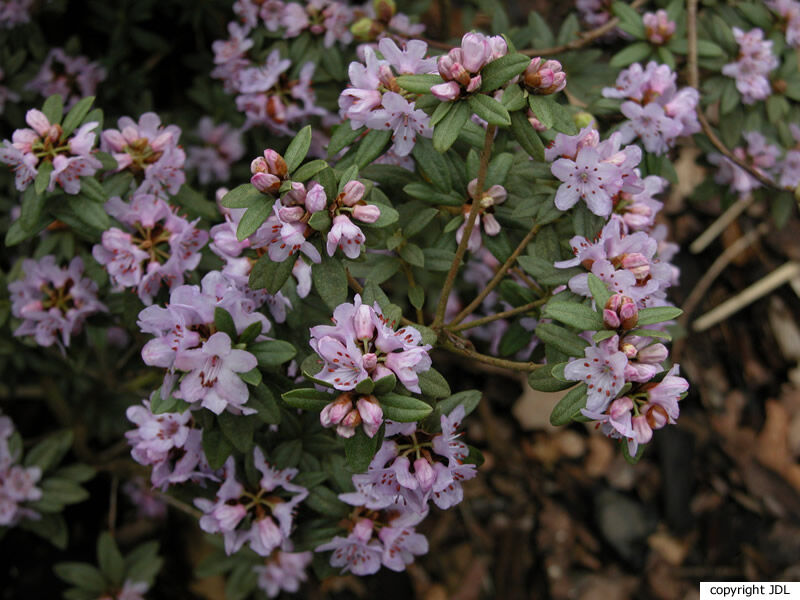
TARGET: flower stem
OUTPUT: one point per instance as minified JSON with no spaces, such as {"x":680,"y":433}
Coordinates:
{"x":486,"y":154}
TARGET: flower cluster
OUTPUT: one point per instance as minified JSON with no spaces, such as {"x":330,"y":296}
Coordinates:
{"x":187,"y":343}
{"x":400,"y":491}
{"x":17,"y":483}
{"x":346,"y":235}
{"x":594,"y":171}
{"x":222,"y":146}
{"x":752,"y":68}
{"x":263,"y":518}
{"x":149,"y":151}
{"x":488,"y":199}
{"x":327,"y":18}
{"x":74,"y":77}
{"x":349,"y":411}
{"x":544,"y":77}
{"x":169,"y":444}
{"x":657,"y":110}
{"x":761,"y":156}
{"x":53,"y":302}
{"x":658,"y":26}
{"x":361,"y":344}
{"x":15,"y":12}
{"x":158,"y":246}
{"x":461,"y":67}
{"x":70,"y":157}
{"x":376,"y":100}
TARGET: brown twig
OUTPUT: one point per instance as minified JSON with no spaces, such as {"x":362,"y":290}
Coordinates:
{"x":489,"y":360}
{"x":483,"y":167}
{"x":694,"y":81}
{"x":585,"y":39}
{"x":497,"y":277}
{"x":501,"y":315}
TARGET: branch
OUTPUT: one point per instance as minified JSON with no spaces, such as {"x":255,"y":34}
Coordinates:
{"x":694,"y":81}
{"x":473,"y":214}
{"x":497,"y":277}
{"x":501,"y":315}
{"x":489,"y":360}
{"x":585,"y":39}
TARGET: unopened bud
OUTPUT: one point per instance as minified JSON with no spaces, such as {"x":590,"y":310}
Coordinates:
{"x":384,"y":9}
{"x":363,"y":29}
{"x":584,"y":119}
{"x":363,"y":324}
{"x":446,"y":92}
{"x":266,"y":183}
{"x":641,"y":429}
{"x":259,"y":165}
{"x":637,"y":264}
{"x":619,"y":407}
{"x":474,"y":84}
{"x":316,"y":199}
{"x":371,"y":414}
{"x":351,"y":420}
{"x":656,"y":416}
{"x":476,"y":49}
{"x":290,"y":214}
{"x":424,"y":473}
{"x":368,"y":213}
{"x":369,"y":361}
{"x":334,"y":412}
{"x":275,"y":163}
{"x":653,"y":354}
{"x":620,"y":311}
{"x":629,"y":350}
{"x":54,"y":134}
{"x":352,"y":192}
{"x":296,"y":195}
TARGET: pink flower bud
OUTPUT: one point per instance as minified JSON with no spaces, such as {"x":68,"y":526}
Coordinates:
{"x":369,"y":361}
{"x":368,"y":213}
{"x":444,"y":65}
{"x":446,"y":92}
{"x":334,"y":412}
{"x":476,"y":49}
{"x":619,"y":407}
{"x":352,"y":192}
{"x":351,"y":420}
{"x":362,"y":323}
{"x":629,"y":350}
{"x":266,"y":183}
{"x":641,"y":430}
{"x":296,"y":195}
{"x":161,"y":141}
{"x":656,"y":416}
{"x":54,"y":133}
{"x":424,"y":473}
{"x":474,"y":84}
{"x":653,"y":354}
{"x":637,"y":264}
{"x":291,"y":214}
{"x":499,"y":47}
{"x":371,"y":414}
{"x":258,"y":165}
{"x":276,"y":164}
{"x":610,"y":319}
{"x":628,"y":313}
{"x":381,"y":371}
{"x":536,"y":123}
{"x":114,"y":139}
{"x":316,"y":199}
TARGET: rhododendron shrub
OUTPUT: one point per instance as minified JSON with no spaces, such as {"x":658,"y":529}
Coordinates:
{"x":270,"y":352}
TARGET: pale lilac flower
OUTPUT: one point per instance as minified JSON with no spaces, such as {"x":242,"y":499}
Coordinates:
{"x":603,"y":371}
{"x":222,"y":147}
{"x":213,"y":374}
{"x":73,"y":77}
{"x":759,"y":154}
{"x":53,"y":302}
{"x":752,"y":68}
{"x":224,"y":515}
{"x":133,"y":590}
{"x":404,"y":119}
{"x":346,"y":236}
{"x":15,"y":12}
{"x":358,"y":552}
{"x":401,"y":544}
{"x":587,"y":178}
{"x":283,"y":572}
{"x":658,"y":27}
{"x":17,"y":483}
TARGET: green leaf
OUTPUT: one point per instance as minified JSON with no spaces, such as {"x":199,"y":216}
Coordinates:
{"x":365,"y":386}
{"x":385,"y":384}
{"x":32,"y":204}
{"x":330,"y":281}
{"x":440,"y":112}
{"x":43,"y":177}
{"x":251,"y":377}
{"x":501,"y":71}
{"x":250,"y":333}
{"x":193,"y":202}
{"x":254,"y":218}
{"x":526,"y":135}
{"x":513,"y":98}
{"x":569,"y":406}
{"x":272,"y":353}
{"x":419,"y":221}
{"x":83,"y":575}
{"x":348,"y":175}
{"x":630,"y":54}
{"x":658,"y":314}
{"x":53,"y":108}
{"x":542,"y":379}
{"x":223,"y":321}
{"x":143,"y":563}
{"x":412,"y":254}
{"x":600,"y":291}
{"x":439,"y":259}
{"x":77,"y":472}
{"x":577,"y":315}
{"x":262,"y":400}
{"x":542,"y":108}
{"x":238,"y":429}
{"x":416,"y":296}
{"x":489,"y":109}
{"x":468,"y":398}
{"x":541,"y":36}
{"x":308,"y":399}
{"x":343,"y":136}
{"x":110,"y":558}
{"x":359,"y":450}
{"x":418,"y":84}
{"x":51,"y":527}
{"x":432,"y":165}
{"x":446,"y":132}
{"x":433,"y":384}
{"x":308,"y":170}
{"x":298,"y":148}
{"x":371,"y":147}
{"x":89,"y":212}
{"x":320,"y":221}
{"x":216,"y":447}
{"x":708,"y":49}
{"x":388,"y":216}
{"x":652,"y":333}
{"x":630,"y":18}
{"x":270,"y":275}
{"x":404,"y":409}
{"x":562,"y":339}
{"x":241,"y":582}
{"x":49,"y":452}
{"x":243,"y":196}
{"x":75,"y":115}
{"x":325,"y":501}
{"x":63,"y":491}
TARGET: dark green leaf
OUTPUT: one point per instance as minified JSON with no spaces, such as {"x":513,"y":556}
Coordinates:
{"x":298,"y":148}
{"x":238,"y":429}
{"x":600,"y":291}
{"x":83,"y":575}
{"x":404,"y":409}
{"x":416,"y":296}
{"x":272,"y":353}
{"x":254,"y":218}
{"x":526,"y":135}
{"x":43,"y":177}
{"x":359,"y":450}
{"x":562,"y":339}
{"x":577,"y":315}
{"x":446,"y":131}
{"x":502,"y":70}
{"x":490,"y":110}
{"x":76,"y":114}
{"x":262,"y":400}
{"x":433,"y":384}
{"x":308,"y":170}
{"x":631,"y":54}
{"x":418,"y":84}
{"x":343,"y":136}
{"x":53,"y":108}
{"x":308,"y":399}
{"x":569,"y":406}
{"x":49,"y":452}
{"x":658,"y":314}
{"x":371,"y":147}
{"x":223,"y":321}
{"x":542,"y":379}
{"x":243,"y":196}
{"x":216,"y":447}
{"x":110,"y":558}
{"x":270,"y":275}
{"x":330,"y":281}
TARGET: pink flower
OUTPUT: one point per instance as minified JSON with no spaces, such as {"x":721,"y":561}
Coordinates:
{"x":603,"y":371}
{"x":346,"y":236}
{"x":357,"y":553}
